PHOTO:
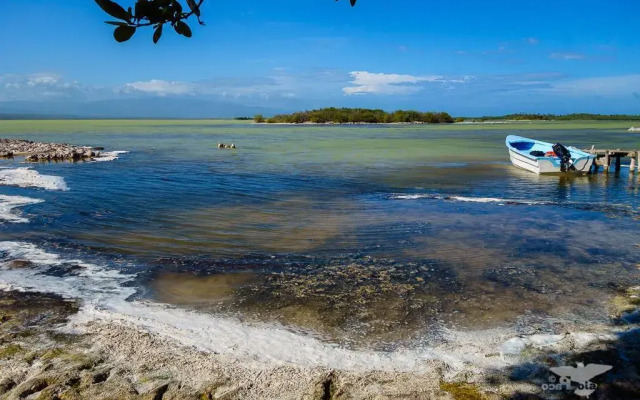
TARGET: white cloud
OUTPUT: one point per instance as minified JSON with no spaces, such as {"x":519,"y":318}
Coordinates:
{"x":609,"y":86}
{"x":561,"y":86}
{"x":364,"y":82}
{"x":567,"y":56}
{"x":161,"y":87}
{"x":42,"y":79}
{"x":40,"y":86}
{"x":368,"y":82}
{"x":464,"y":79}
{"x":281,"y":85}
{"x":532,"y":41}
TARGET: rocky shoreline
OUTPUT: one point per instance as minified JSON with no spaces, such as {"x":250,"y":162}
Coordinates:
{"x":43,"y":151}
{"x":114,"y":360}
{"x":48,"y":351}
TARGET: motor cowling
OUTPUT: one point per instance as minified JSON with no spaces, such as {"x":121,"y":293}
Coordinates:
{"x":565,"y":157}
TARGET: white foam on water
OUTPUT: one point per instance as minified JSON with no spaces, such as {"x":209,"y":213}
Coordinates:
{"x":104,"y":295}
{"x":110,"y":155}
{"x":466,"y":199}
{"x":415,"y":197}
{"x":9,"y":203}
{"x":27,"y":177}
{"x":81,"y":280}
{"x":515,"y":346}
{"x":482,"y":200}
{"x":104,"y":298}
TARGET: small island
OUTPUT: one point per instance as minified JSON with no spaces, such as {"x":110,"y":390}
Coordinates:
{"x":334,"y":115}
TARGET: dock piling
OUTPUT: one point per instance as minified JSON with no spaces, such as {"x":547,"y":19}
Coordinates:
{"x":603,"y":157}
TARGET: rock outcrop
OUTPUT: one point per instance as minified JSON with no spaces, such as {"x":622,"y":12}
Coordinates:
{"x":42,"y":151}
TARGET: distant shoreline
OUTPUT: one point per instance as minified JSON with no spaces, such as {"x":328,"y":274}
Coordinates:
{"x":363,"y":116}
{"x":625,"y":118}
{"x":630,"y":121}
{"x":346,"y":123}
{"x":487,"y":122}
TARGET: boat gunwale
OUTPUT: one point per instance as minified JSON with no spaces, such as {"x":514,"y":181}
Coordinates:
{"x":574,"y":150}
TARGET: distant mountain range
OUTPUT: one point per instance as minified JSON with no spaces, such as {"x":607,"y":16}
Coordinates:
{"x":162,"y":107}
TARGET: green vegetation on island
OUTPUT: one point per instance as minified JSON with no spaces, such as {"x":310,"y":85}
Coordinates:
{"x":357,"y":115}
{"x":335,"y":115}
{"x":555,"y":117}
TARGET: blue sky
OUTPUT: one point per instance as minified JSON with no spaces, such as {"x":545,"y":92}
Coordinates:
{"x":465,"y":57}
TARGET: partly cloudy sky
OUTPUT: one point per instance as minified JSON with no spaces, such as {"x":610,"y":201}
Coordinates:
{"x":464,"y":57}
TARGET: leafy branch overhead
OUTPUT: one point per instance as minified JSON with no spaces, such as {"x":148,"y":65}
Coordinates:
{"x":153,"y":13}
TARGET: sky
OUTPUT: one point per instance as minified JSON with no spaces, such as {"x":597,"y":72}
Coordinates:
{"x":466,"y":57}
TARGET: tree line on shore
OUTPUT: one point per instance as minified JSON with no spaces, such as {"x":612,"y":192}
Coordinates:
{"x":556,"y":117}
{"x":357,"y":115}
{"x":377,"y":116}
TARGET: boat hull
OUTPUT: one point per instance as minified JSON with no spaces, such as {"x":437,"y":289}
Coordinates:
{"x":547,"y":165}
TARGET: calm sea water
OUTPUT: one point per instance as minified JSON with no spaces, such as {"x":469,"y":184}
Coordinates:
{"x":363,"y":234}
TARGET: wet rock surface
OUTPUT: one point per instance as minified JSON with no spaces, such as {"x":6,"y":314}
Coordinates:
{"x":114,"y":361}
{"x":107,"y":360}
{"x":42,"y":151}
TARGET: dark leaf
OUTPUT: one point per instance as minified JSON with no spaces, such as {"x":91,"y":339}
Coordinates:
{"x":353,"y":3}
{"x":154,"y":14}
{"x":157,"y":33}
{"x":183,"y":29}
{"x":124,"y":33}
{"x":194,"y":7}
{"x":113,"y":9}
{"x":116,"y":23}
{"x":139,"y":11}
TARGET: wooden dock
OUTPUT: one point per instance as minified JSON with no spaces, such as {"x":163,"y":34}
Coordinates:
{"x":605,"y":157}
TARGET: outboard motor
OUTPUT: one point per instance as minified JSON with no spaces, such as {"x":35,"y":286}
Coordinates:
{"x":565,"y":157}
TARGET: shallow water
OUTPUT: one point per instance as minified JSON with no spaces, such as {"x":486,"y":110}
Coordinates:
{"x":365,"y":235}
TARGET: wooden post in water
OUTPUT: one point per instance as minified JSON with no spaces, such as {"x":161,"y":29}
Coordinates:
{"x":603,"y":157}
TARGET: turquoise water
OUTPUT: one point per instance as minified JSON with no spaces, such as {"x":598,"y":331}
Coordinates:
{"x":360,"y":233}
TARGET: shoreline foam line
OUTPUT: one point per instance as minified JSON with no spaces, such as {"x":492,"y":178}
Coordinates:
{"x":9,"y":203}
{"x":110,"y":155}
{"x":619,"y":208}
{"x":466,"y":199}
{"x":27,"y":177}
{"x":105,"y":299}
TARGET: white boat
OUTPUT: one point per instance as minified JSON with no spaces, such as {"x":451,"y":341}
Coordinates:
{"x":546,"y":158}
{"x":634,"y":129}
